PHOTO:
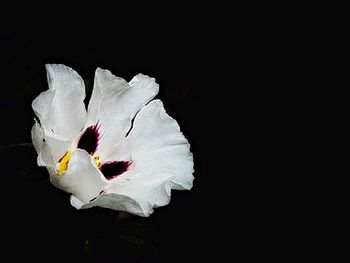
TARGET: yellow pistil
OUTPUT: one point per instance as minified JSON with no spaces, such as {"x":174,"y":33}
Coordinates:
{"x":97,"y":161}
{"x":62,"y":165}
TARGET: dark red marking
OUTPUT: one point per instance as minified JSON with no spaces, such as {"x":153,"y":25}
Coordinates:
{"x":89,"y":139}
{"x":112,"y":169}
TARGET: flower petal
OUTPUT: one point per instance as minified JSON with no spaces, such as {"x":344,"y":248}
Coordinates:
{"x":148,"y":190}
{"x":156,"y":144}
{"x":112,"y":201}
{"x":37,"y":136}
{"x":61,"y":109}
{"x":42,"y":145}
{"x":45,"y":157}
{"x":114,"y":103}
{"x":82,"y":178}
{"x":137,"y":198}
{"x":161,"y":161}
{"x":58,"y":145}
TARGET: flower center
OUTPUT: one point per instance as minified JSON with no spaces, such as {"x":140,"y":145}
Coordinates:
{"x":89,"y":142}
{"x":62,"y":164}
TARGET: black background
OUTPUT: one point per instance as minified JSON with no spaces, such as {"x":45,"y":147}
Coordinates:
{"x":38,"y":221}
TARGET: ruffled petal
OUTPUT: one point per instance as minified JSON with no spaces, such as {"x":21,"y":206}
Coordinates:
{"x":57,"y":145}
{"x":161,"y":161}
{"x":156,"y":144}
{"x":112,"y":201}
{"x":114,"y":103}
{"x":82,"y":178}
{"x":61,"y":109}
{"x":45,"y":157}
{"x":37,"y":136}
{"x":44,"y":141}
{"x":147,"y":190}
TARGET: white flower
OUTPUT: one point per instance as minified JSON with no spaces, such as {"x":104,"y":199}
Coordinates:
{"x":124,"y":153}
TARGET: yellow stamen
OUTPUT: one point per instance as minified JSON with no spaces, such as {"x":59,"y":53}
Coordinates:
{"x":62,"y":165}
{"x":97,"y":161}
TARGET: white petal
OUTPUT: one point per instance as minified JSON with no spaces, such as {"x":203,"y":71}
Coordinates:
{"x":147,"y":190}
{"x":113,"y":201}
{"x":75,"y":202}
{"x":60,"y":109}
{"x":45,"y":157}
{"x":114,"y":103}
{"x":156,"y":144}
{"x":44,"y":141}
{"x":105,"y":85}
{"x":37,"y":136}
{"x":82,"y":178}
{"x":58,"y":145}
{"x":161,"y":162}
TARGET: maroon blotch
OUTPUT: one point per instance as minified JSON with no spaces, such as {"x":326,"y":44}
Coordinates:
{"x":89,"y":139}
{"x":112,"y":169}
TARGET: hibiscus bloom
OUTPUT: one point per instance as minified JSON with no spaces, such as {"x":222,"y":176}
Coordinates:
{"x":124,"y":153}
